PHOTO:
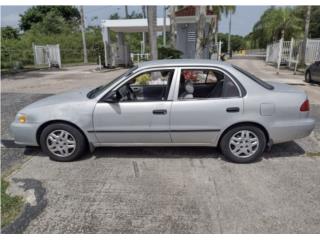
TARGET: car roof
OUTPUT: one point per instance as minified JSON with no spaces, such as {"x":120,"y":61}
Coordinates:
{"x":181,"y":62}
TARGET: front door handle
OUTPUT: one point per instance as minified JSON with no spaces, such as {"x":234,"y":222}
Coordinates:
{"x":233,"y":109}
{"x":159,"y":112}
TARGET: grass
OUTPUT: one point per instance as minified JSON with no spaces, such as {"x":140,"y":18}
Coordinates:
{"x":10,"y":206}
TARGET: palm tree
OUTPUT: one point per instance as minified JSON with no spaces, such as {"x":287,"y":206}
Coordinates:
{"x":306,"y":33}
{"x":218,"y":11}
{"x":232,"y":10}
{"x":152,"y":24}
{"x":173,"y":31}
{"x":201,"y":23}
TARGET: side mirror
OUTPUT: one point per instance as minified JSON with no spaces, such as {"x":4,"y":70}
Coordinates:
{"x":112,"y":97}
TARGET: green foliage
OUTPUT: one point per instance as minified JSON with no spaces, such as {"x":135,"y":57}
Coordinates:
{"x":70,"y":41}
{"x":9,"y":33}
{"x":10,"y":206}
{"x":237,"y":42}
{"x":289,"y":21}
{"x":143,"y":79}
{"x":314,"y":30}
{"x":169,"y":53}
{"x":37,"y":14}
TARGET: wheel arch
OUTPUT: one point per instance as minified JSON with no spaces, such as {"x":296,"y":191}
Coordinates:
{"x":263,"y":128}
{"x":45,"y":124}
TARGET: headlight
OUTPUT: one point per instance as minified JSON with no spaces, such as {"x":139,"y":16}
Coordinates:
{"x":22,"y":118}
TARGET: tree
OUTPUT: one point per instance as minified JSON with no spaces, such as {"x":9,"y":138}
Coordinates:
{"x":114,"y":16}
{"x":231,"y":10}
{"x":219,"y":11}
{"x":9,"y":33}
{"x":276,"y":23}
{"x":152,"y":24}
{"x":306,"y":33}
{"x":201,"y":23}
{"x":173,"y":26}
{"x":37,"y":14}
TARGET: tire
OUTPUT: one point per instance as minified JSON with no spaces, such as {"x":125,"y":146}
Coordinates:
{"x":62,"y":142}
{"x":308,"y":77}
{"x":236,"y":147}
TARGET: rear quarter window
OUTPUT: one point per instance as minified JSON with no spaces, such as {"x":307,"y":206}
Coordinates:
{"x":254,"y":78}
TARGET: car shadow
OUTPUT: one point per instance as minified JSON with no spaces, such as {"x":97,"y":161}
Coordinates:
{"x":288,"y":149}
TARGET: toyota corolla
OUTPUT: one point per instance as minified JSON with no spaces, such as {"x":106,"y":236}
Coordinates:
{"x":169,"y":103}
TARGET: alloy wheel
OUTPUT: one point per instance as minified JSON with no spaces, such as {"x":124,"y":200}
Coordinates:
{"x":244,"y":143}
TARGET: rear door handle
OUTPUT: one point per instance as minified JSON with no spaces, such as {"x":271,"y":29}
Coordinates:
{"x":233,"y":109}
{"x":159,"y":112}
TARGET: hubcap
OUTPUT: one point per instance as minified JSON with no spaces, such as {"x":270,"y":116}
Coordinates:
{"x":61,"y":143}
{"x":244,"y":143}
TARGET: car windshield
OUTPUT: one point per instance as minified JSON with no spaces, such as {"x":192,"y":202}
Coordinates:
{"x":96,"y":91}
{"x":254,"y":78}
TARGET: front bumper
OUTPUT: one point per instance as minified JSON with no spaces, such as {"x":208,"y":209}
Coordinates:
{"x":290,"y":130}
{"x":24,"y":133}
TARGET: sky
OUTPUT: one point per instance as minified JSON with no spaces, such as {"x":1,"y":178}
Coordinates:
{"x":242,"y":20}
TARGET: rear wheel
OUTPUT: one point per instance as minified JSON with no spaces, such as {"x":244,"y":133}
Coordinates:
{"x":243,"y":144}
{"x":308,"y":77}
{"x":62,"y":142}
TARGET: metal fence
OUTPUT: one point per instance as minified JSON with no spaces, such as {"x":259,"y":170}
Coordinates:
{"x":47,"y":55}
{"x":13,"y":58}
{"x":289,"y":52}
{"x":139,"y":57}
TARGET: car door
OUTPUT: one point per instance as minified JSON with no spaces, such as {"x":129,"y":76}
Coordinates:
{"x":143,"y":119}
{"x":199,"y":119}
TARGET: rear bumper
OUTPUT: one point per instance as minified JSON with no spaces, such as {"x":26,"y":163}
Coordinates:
{"x":24,"y":134}
{"x":288,"y":131}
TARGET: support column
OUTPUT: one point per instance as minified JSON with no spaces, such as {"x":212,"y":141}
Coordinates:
{"x":106,"y":44}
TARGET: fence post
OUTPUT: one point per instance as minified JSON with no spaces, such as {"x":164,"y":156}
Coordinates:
{"x":59,"y":56}
{"x":290,"y":53}
{"x":100,"y":62}
{"x":34,"y":54}
{"x":267,"y":53}
{"x":219,"y":51}
{"x":279,"y":54}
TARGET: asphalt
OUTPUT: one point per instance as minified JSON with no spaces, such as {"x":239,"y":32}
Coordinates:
{"x":160,"y":190}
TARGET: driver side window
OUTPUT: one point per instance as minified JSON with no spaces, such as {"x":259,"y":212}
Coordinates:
{"x":147,"y":86}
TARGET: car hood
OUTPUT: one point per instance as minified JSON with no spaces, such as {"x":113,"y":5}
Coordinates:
{"x":62,"y":98}
{"x":282,"y":87}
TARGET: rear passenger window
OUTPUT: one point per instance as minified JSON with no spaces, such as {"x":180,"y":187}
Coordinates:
{"x":206,"y":83}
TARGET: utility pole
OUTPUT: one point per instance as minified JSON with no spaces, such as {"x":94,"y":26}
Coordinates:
{"x":229,"y":36}
{"x":85,"y":56}
{"x":164,"y":25}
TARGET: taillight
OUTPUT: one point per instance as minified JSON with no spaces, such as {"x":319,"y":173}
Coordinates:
{"x":305,"y":106}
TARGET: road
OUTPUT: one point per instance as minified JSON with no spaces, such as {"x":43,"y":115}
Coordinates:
{"x":162,"y":190}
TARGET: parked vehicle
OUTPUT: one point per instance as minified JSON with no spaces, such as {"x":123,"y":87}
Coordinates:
{"x":313,"y":72}
{"x":169,"y":103}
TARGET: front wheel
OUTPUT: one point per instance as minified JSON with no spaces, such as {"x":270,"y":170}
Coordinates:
{"x":62,"y":142}
{"x":243,"y":144}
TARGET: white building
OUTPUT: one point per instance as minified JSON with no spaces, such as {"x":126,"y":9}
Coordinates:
{"x":119,"y":53}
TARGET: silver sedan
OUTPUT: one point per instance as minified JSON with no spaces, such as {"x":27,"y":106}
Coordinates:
{"x":169,"y":103}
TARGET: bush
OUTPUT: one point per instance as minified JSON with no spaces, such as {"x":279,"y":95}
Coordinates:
{"x":169,"y":53}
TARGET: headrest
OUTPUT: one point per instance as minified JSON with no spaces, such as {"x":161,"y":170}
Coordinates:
{"x":189,"y":87}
